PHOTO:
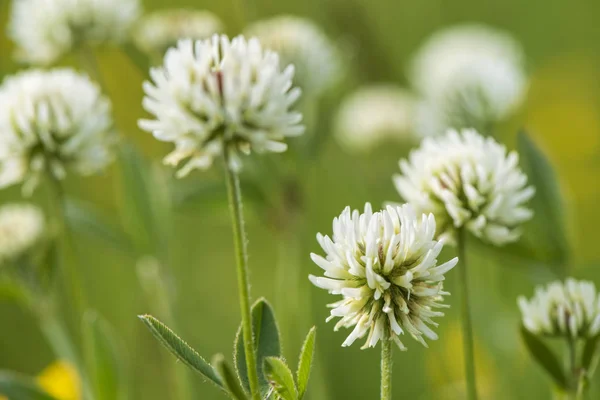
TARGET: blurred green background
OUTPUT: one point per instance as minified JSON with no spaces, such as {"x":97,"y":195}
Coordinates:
{"x":562,"y":42}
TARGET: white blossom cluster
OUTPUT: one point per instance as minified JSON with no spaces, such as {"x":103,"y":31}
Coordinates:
{"x":21,"y":228}
{"x":45,"y":30}
{"x":384,"y":265}
{"x":467,"y":181}
{"x":568,"y":309}
{"x":220,"y":94}
{"x":52,"y":122}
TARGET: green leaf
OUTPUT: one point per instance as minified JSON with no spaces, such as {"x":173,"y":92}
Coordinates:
{"x":590,"y":355}
{"x":280,"y":378}
{"x":104,"y":359}
{"x":305,"y":361}
{"x":228,"y":378}
{"x":138,"y":58}
{"x":84,"y":219}
{"x":266,"y":342}
{"x":181,"y":349}
{"x":143,"y":202}
{"x":544,"y":357}
{"x":545,"y":236}
{"x":19,"y":387}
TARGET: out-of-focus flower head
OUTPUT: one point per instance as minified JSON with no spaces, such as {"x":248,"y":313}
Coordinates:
{"x":158,"y":31}
{"x":468,"y":76}
{"x":372,"y":115}
{"x":61,"y":381}
{"x":45,"y":30}
{"x":52,"y":122}
{"x":567,"y":309}
{"x":467,"y":181}
{"x":384,"y":265}
{"x":220,"y":94}
{"x":302,"y":43}
{"x":22,"y":227}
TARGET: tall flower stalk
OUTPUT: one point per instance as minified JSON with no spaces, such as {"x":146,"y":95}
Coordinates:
{"x":386,"y":369}
{"x":473,"y":186}
{"x":240,"y":242}
{"x":467,"y":323}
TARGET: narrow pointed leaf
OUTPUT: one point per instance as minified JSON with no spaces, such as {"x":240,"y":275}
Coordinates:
{"x":104,"y":359}
{"x":591,"y":354}
{"x":545,"y":358}
{"x":84,"y":219}
{"x":305,"y":361}
{"x":19,"y":387}
{"x":280,"y":378}
{"x":228,"y":377}
{"x":266,"y":341}
{"x":545,"y":236}
{"x":181,"y":349}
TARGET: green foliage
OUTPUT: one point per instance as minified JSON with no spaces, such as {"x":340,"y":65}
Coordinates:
{"x":181,"y":349}
{"x":591,"y":355}
{"x":545,"y":237}
{"x":305,"y":361}
{"x":544,"y":356}
{"x":266,"y":342}
{"x":19,"y":387}
{"x":84,"y":219}
{"x":228,"y":378}
{"x":104,"y":358}
{"x":280,"y":378}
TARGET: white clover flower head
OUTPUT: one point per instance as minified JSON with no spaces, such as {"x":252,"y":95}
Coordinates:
{"x":467,"y":181}
{"x":372,"y":115}
{"x":470,"y":74}
{"x":302,"y":43}
{"x":568,"y":309}
{"x":158,"y":31}
{"x":384,"y":265}
{"x":45,"y":30}
{"x":21,"y":227}
{"x":52,"y":122}
{"x":218,"y":94}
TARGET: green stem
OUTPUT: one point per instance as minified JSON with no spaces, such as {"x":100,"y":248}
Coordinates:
{"x":241,"y":256}
{"x":69,"y":263}
{"x":386,"y":369}
{"x":469,"y":353}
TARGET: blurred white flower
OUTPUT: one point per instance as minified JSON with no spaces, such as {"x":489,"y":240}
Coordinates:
{"x":570,"y":309}
{"x":45,"y":30}
{"x":372,"y":115}
{"x":215,"y":93}
{"x":52,"y":122}
{"x":467,"y":181}
{"x":471,"y":75}
{"x":21,"y":228}
{"x":384,"y":264}
{"x":302,"y":43}
{"x":158,"y":31}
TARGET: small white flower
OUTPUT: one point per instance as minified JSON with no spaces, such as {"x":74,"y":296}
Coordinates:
{"x":45,"y":30}
{"x":52,"y":121}
{"x":158,"y":31}
{"x":21,"y":228}
{"x":215,"y":93}
{"x":302,"y":43}
{"x":471,"y":75}
{"x":570,"y":309}
{"x":372,"y":115}
{"x":384,"y":265}
{"x":467,"y":181}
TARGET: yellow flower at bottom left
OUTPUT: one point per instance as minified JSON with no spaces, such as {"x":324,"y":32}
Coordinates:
{"x":60,"y":379}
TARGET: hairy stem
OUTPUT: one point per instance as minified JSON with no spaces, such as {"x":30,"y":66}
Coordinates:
{"x":386,"y":369}
{"x":469,"y":353}
{"x":241,"y":255}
